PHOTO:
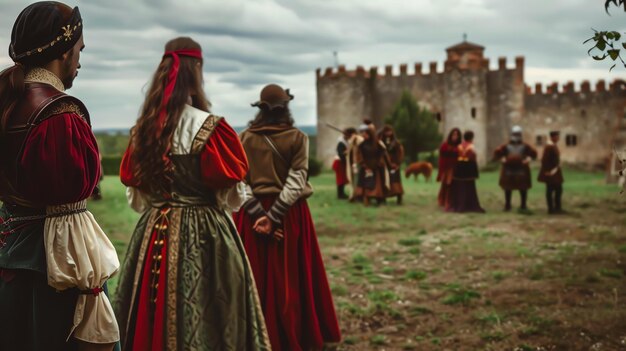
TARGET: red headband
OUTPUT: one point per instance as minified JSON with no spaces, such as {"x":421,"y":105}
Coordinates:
{"x":171,"y":81}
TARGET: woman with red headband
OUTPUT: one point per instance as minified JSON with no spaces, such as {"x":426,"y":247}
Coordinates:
{"x":186,"y":282}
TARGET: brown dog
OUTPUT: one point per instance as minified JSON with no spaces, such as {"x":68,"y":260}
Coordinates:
{"x":418,"y":168}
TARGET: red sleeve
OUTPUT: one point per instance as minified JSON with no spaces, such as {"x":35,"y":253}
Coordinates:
{"x":60,"y":163}
{"x":223,"y":162}
{"x":126,"y":168}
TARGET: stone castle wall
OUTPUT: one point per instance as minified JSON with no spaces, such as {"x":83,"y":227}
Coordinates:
{"x":468,"y":95}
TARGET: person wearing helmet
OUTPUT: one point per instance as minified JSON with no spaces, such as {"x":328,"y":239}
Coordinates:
{"x":515,"y":157}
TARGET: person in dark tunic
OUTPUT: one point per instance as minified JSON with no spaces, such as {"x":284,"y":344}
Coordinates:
{"x":448,"y":156}
{"x":515,"y":157}
{"x":372,"y":158}
{"x":551,"y":174}
{"x":54,"y":258}
{"x":340,"y":164}
{"x":395,"y":150}
{"x":463,"y":195}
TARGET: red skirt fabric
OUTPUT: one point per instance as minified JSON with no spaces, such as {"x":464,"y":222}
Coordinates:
{"x":291,"y":281}
{"x":341,"y":176}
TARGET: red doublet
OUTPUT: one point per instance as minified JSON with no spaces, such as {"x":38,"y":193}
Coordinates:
{"x":59,"y":163}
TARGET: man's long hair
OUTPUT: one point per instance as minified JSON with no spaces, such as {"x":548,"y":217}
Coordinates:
{"x":12,"y":79}
{"x":275,"y":116}
{"x":152,"y":167}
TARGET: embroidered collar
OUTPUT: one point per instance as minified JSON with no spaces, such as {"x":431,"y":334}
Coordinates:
{"x":42,"y":75}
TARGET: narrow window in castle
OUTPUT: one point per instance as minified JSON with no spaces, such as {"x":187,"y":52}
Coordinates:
{"x":583,"y":113}
{"x":473,"y":112}
{"x":438,"y":116}
{"x":571,"y":140}
{"x":539,"y":140}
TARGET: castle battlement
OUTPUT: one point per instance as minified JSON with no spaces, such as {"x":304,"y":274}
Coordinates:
{"x":403,"y":69}
{"x":618,"y":86}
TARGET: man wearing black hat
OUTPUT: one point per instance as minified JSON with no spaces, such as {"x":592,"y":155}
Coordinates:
{"x":551,"y":174}
{"x":54,"y":258}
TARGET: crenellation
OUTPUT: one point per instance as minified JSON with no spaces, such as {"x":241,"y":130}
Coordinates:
{"x":328,"y":72}
{"x":618,"y":85}
{"x":403,"y":69}
{"x":342,"y":70}
{"x":528,"y":89}
{"x":318,"y":73}
{"x":601,"y":86}
{"x":501,"y":63}
{"x":519,"y":63}
{"x":374,"y":71}
{"x":538,"y":88}
{"x":568,"y":88}
{"x":553,"y":88}
{"x":389,"y":70}
{"x":585,"y":87}
{"x":360,"y":71}
{"x":432,"y":67}
{"x":418,"y":68}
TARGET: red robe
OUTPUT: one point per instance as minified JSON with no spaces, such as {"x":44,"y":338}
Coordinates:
{"x":448,"y":155}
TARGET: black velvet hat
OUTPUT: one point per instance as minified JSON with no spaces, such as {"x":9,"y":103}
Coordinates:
{"x":43,"y":32}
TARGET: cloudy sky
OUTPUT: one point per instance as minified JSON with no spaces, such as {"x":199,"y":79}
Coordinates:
{"x":248,"y":43}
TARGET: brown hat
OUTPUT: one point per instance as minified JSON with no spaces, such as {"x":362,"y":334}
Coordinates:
{"x":273,"y":96}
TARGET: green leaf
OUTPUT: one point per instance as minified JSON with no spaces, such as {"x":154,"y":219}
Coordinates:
{"x":617,"y":35}
{"x":610,"y":35}
{"x":598,"y":58}
{"x":624,"y":45}
{"x":614,"y":54}
{"x":601,"y":45}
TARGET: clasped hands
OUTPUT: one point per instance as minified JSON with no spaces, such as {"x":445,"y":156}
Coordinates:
{"x":264,"y":226}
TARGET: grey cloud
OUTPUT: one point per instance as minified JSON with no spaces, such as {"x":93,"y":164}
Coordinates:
{"x":248,"y":43}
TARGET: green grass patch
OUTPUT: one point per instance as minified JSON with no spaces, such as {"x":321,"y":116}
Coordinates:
{"x":499,"y":276}
{"x":611,"y":273}
{"x":459,"y":295}
{"x":415,"y":275}
{"x":410,"y":242}
{"x":378,"y":340}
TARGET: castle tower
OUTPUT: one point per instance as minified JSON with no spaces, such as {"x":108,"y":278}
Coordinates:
{"x":465,"y":94}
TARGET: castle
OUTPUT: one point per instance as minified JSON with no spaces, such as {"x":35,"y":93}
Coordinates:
{"x":468,"y":95}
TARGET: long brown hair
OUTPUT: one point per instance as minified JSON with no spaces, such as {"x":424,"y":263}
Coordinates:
{"x":12,"y":79}
{"x":267,"y":116}
{"x":152,"y":167}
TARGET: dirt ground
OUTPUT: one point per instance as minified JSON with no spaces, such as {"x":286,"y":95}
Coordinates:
{"x":414,"y":278}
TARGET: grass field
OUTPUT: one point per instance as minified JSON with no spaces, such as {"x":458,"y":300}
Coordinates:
{"x":414,"y":278}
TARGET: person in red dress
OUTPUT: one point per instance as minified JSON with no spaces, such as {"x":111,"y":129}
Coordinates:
{"x":463,"y":194}
{"x":448,"y":156}
{"x":54,"y":258}
{"x":340,"y":163}
{"x":278,"y":233}
{"x":186,"y":283}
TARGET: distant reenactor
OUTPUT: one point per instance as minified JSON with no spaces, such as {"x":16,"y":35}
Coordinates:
{"x":515,"y":172}
{"x":550,"y":173}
